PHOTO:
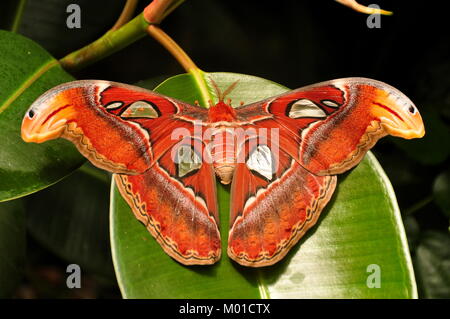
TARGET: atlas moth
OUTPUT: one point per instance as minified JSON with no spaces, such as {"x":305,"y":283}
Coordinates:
{"x":165,"y":154}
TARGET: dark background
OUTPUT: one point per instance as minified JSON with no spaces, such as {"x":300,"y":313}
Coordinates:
{"x":294,"y":43}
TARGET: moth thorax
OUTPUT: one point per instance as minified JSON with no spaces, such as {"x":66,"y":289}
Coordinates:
{"x":223,"y":152}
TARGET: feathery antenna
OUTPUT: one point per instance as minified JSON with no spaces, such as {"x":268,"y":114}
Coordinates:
{"x":221,"y":96}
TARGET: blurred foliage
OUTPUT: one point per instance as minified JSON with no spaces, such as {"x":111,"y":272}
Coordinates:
{"x":432,"y":264}
{"x":12,"y":245}
{"x":441,"y":192}
{"x":294,"y":43}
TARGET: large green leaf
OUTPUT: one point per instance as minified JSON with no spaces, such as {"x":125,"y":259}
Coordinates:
{"x":12,"y":246}
{"x":361,"y":227}
{"x":27,"y":71}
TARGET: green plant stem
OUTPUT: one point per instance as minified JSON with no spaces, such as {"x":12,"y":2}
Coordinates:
{"x":111,"y":42}
{"x":121,"y":36}
{"x":117,"y":39}
{"x":18,"y":15}
{"x":184,"y":60}
{"x":126,"y":15}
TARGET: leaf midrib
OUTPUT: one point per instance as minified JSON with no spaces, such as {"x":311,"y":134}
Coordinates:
{"x":25,"y":85}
